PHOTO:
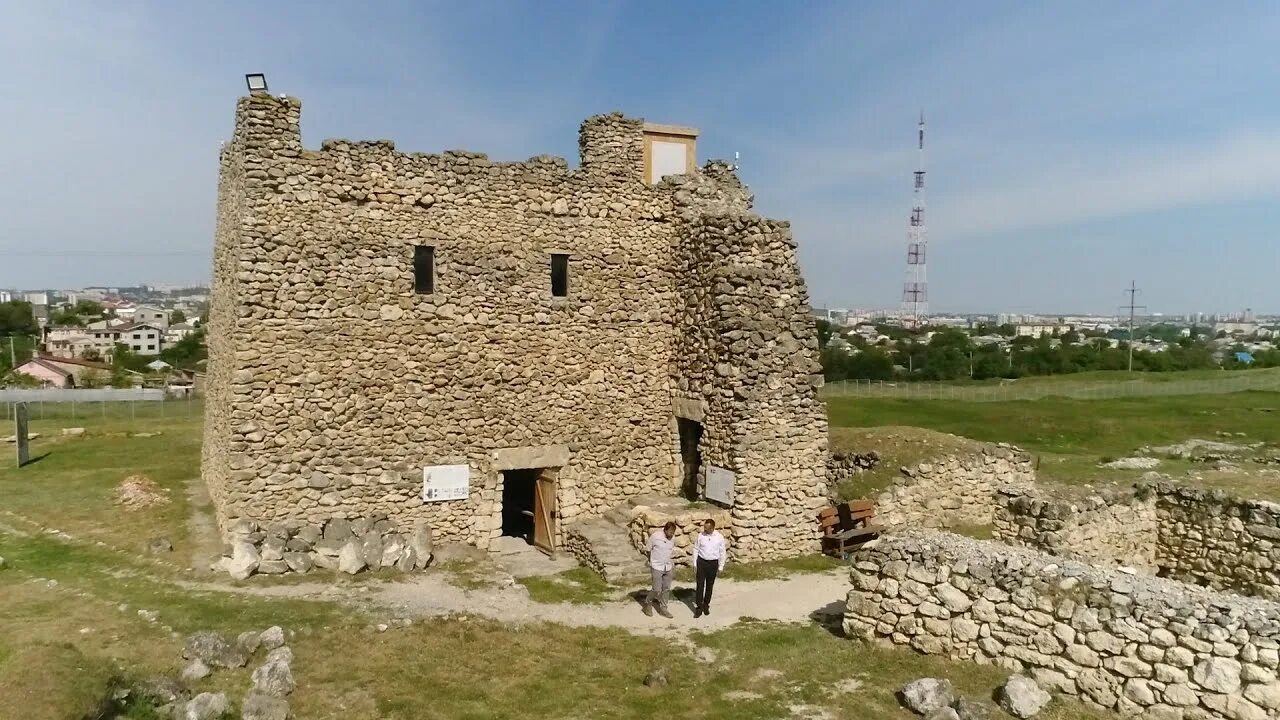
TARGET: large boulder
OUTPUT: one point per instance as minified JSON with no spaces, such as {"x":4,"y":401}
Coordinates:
{"x":928,"y":695}
{"x":423,"y":545}
{"x":243,"y":562}
{"x":272,"y":637}
{"x":213,"y":650}
{"x":206,"y":706}
{"x":1022,"y":697}
{"x":257,"y":706}
{"x":273,"y":678}
{"x":249,"y":641}
{"x":351,"y":558}
{"x":196,"y":670}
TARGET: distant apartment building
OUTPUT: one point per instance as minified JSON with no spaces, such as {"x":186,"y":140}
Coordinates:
{"x":1040,"y":330}
{"x":6,"y":296}
{"x":102,"y":337}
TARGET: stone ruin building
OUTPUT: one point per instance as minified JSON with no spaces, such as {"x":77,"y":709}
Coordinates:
{"x":404,"y":340}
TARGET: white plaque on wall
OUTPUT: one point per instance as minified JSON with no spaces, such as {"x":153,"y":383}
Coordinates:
{"x":446,"y":482}
{"x":720,"y":484}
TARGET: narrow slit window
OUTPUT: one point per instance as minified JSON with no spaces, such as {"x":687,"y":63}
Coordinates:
{"x":559,"y":275}
{"x":424,"y":269}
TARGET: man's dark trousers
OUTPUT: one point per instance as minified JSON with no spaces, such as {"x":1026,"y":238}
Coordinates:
{"x":706,"y":580}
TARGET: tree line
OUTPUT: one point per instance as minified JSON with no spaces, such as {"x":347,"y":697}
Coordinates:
{"x":951,"y":354}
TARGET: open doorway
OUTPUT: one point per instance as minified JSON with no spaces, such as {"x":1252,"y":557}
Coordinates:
{"x":517,"y":503}
{"x":529,"y":506}
{"x":690,"y":456}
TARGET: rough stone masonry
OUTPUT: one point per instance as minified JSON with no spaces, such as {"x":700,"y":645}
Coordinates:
{"x":336,"y":376}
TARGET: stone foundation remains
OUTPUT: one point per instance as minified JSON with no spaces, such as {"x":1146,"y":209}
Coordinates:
{"x":954,"y":490}
{"x":375,"y":313}
{"x":1124,"y":642}
{"x":1106,"y":527}
{"x":1211,"y":538}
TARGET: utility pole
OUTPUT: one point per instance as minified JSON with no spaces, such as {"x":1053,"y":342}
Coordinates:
{"x":1132,"y":292}
{"x":13,"y":359}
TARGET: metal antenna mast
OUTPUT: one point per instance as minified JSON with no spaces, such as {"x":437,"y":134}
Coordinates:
{"x":1132,"y":292}
{"x":915,"y":292}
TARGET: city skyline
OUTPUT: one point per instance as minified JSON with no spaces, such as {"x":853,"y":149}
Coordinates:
{"x":1072,"y":149}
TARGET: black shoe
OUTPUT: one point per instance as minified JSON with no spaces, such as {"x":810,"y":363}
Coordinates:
{"x":706,"y":609}
{"x":697,"y":612}
{"x":647,"y":609}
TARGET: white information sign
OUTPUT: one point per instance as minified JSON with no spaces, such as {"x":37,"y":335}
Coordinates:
{"x":720,"y":484}
{"x":446,"y":482}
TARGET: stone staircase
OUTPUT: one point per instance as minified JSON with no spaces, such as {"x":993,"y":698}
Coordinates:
{"x":602,"y":544}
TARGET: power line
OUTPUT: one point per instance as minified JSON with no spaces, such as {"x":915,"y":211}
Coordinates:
{"x":1132,"y":292}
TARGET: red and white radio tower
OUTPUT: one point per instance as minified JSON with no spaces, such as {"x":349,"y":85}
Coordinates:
{"x":915,"y":291}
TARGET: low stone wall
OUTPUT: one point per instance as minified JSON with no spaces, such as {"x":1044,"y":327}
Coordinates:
{"x":350,"y":546}
{"x":1123,"y":642}
{"x":954,"y":490}
{"x":647,"y":519}
{"x":1114,"y":526}
{"x":1211,"y":538}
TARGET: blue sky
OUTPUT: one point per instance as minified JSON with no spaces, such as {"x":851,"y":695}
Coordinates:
{"x":1072,"y":146}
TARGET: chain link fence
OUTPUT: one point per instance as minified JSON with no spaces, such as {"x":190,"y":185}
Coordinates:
{"x":1031,"y":389}
{"x":70,"y":405}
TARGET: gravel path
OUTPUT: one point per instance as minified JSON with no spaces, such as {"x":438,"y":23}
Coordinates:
{"x":800,"y":598}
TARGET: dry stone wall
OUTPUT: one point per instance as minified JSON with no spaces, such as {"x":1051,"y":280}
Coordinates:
{"x":1211,"y":538}
{"x":1114,"y":526}
{"x":647,"y":519}
{"x":1124,"y":642}
{"x":954,"y":490}
{"x":332,"y":384}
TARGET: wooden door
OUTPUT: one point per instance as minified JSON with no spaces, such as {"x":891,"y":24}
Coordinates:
{"x":544,"y":512}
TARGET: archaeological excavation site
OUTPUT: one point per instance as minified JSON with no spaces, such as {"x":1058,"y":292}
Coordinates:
{"x":409,"y":349}
{"x":407,"y":346}
{"x":1157,"y":599}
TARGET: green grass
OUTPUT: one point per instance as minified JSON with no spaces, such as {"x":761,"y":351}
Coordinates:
{"x":72,"y":484}
{"x":55,"y":681}
{"x":78,"y":592}
{"x":579,"y":585}
{"x":1072,"y":436}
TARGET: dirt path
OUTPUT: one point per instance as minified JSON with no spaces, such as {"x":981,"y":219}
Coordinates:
{"x":800,"y":598}
{"x":206,"y":546}
{"x":807,"y":597}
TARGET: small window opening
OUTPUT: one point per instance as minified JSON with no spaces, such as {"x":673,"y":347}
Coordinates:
{"x":424,"y":269}
{"x":559,"y":275}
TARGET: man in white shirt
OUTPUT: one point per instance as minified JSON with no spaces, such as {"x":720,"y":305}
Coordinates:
{"x":710,"y":553}
{"x":661,"y":567}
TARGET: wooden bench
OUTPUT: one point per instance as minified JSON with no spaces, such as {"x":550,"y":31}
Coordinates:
{"x":847,"y":525}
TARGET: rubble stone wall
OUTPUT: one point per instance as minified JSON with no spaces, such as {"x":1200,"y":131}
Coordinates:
{"x":1124,"y":642}
{"x":1107,"y":527}
{"x":1214,"y":539}
{"x":332,"y":384}
{"x":957,"y":489}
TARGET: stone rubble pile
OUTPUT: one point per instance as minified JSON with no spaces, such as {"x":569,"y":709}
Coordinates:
{"x":843,"y":464}
{"x":338,"y":544}
{"x":271,"y":682}
{"x":1128,"y":643}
